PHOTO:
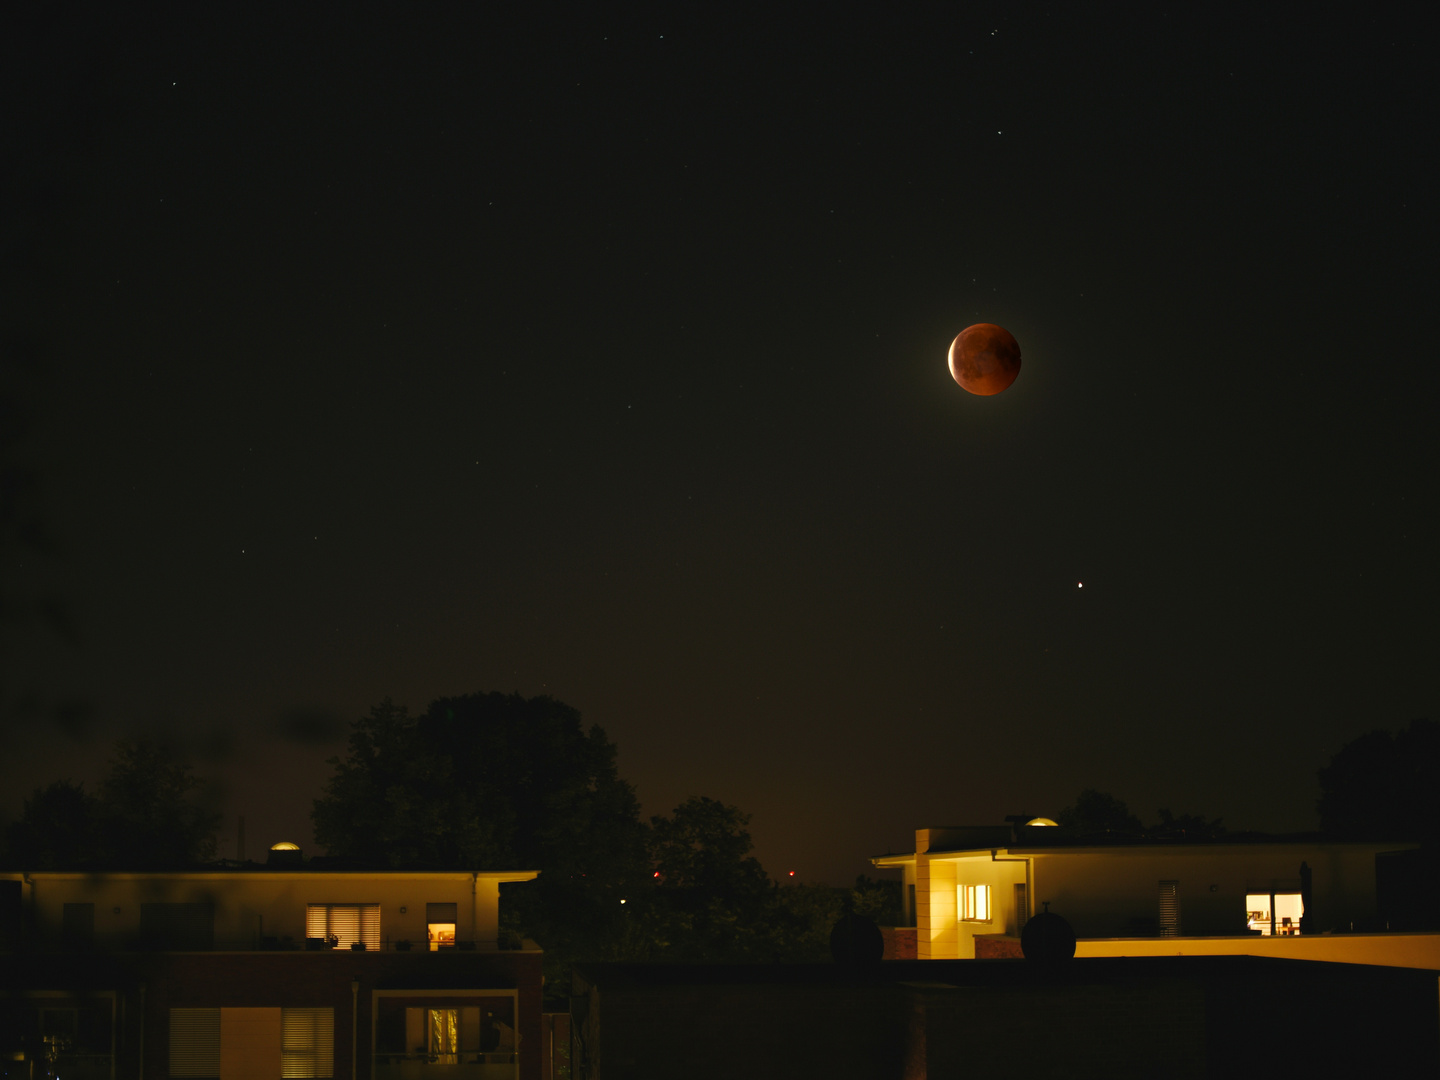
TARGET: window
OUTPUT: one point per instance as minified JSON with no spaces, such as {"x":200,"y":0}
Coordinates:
{"x":252,"y":1043}
{"x":440,"y":922}
{"x":307,"y":1047}
{"x":1169,"y":909}
{"x":195,"y":1043}
{"x":461,"y":1030}
{"x":345,"y":923}
{"x":975,"y":903}
{"x":1282,"y":921}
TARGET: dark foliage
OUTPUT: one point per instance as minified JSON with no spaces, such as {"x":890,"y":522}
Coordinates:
{"x":490,"y":781}
{"x":1097,"y":812}
{"x":146,"y":816}
{"x":497,"y":782}
{"x":1384,"y":787}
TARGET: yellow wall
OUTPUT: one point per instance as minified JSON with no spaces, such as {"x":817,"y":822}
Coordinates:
{"x":1389,"y":950}
{"x":252,"y":904}
{"x":941,"y":933}
{"x":937,"y":935}
{"x":1101,"y":890}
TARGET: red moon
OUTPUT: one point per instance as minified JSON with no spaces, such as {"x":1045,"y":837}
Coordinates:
{"x":984,"y":358}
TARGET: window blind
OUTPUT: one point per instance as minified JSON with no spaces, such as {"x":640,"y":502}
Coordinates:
{"x":348,"y":922}
{"x":307,"y":1047}
{"x":195,"y":1043}
{"x":1169,"y":908}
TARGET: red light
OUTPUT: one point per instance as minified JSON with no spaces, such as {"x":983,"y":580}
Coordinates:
{"x":792,"y":873}
{"x":657,"y":873}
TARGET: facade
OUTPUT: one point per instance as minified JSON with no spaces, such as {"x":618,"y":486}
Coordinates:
{"x":259,"y":973}
{"x":970,"y":891}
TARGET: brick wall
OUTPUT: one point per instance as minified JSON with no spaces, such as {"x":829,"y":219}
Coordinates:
{"x":998,"y":947}
{"x":899,"y":942}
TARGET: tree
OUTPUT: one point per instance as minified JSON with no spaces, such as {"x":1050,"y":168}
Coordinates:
{"x":878,"y":899}
{"x":1099,"y":812}
{"x":395,"y":802}
{"x":497,"y":782}
{"x":1384,"y":787}
{"x":154,"y":818}
{"x":715,"y":895}
{"x":58,"y":829}
{"x":147,"y":816}
{"x":1187,"y":826}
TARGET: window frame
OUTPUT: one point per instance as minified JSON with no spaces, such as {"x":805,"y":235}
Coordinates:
{"x":976,"y":904}
{"x":367,"y":920}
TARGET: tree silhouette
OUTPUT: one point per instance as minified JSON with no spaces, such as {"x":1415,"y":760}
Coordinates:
{"x":497,"y":782}
{"x":1099,"y":812}
{"x":146,"y":816}
{"x":1384,"y":787}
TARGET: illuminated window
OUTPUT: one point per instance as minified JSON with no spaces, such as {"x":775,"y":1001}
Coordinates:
{"x":345,"y":923}
{"x":975,"y":903}
{"x":1284,"y":921}
{"x":440,"y":922}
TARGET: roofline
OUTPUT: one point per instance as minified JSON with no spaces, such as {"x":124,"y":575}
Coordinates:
{"x":891,"y":859}
{"x":501,"y":876}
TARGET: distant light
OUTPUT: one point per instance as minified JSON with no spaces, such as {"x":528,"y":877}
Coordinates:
{"x":622,"y":901}
{"x":1040,"y":821}
{"x":792,"y":873}
{"x":657,"y":873}
{"x":284,"y":845}
{"x":1079,"y":584}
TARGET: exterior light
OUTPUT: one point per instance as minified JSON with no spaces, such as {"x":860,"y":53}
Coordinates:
{"x":622,"y":901}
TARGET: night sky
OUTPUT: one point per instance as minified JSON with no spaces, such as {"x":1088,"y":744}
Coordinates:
{"x":416,"y":352}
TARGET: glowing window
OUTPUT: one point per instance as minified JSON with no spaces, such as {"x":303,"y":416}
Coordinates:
{"x":975,"y":903}
{"x":440,"y":920}
{"x":1284,"y":921}
{"x":344,"y":924}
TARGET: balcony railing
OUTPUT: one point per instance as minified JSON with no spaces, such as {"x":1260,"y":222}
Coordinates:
{"x":265,"y":944}
{"x":67,"y":1065}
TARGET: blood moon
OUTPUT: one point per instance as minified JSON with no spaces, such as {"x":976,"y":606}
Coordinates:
{"x":984,"y":358}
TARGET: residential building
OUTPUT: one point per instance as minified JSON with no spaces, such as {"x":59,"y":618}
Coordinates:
{"x":261,"y":972}
{"x":970,"y":890}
